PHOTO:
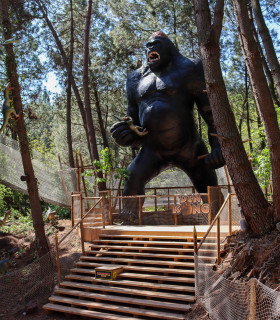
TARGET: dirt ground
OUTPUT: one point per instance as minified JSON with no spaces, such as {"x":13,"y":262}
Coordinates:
{"x":243,"y":257}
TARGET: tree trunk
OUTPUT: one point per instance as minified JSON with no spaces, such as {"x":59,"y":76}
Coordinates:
{"x":32,"y":187}
{"x":68,"y":102}
{"x":262,"y":96}
{"x":89,"y":120}
{"x":99,"y":114}
{"x":253,"y":203}
{"x":264,"y":62}
{"x":65,"y":61}
{"x":267,"y":43}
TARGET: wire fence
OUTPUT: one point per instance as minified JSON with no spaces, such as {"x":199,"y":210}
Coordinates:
{"x":226,"y":299}
{"x":34,"y":283}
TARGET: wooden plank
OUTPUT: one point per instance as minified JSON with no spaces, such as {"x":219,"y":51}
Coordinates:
{"x":117,"y":308}
{"x":138,"y":275}
{"x":130,"y":291}
{"x":84,"y":313}
{"x":140,"y":254}
{"x":157,"y":249}
{"x":157,"y":286}
{"x":151,"y":243}
{"x":125,"y":300}
{"x":151,"y":236}
{"x":155,"y":277}
{"x":136,"y":268}
{"x":140,"y":261}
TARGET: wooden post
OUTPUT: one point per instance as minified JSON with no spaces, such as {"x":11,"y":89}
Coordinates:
{"x":253,"y":299}
{"x":82,"y":225}
{"x":218,"y":241}
{"x":168,"y":206}
{"x":81,"y":205}
{"x":72,"y":210}
{"x":155,"y":193}
{"x":103,"y":212}
{"x":110,"y":208}
{"x":195,"y":259}
{"x":210,"y":207}
{"x":82,"y":171}
{"x":195,"y":240}
{"x":57,"y":261}
{"x":229,"y":216}
{"x":227,"y":176}
{"x":175,"y":215}
{"x":63,"y":182}
{"x":140,"y":211}
{"x":78,"y":173}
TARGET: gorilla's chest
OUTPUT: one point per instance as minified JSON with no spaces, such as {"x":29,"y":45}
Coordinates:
{"x":151,"y":83}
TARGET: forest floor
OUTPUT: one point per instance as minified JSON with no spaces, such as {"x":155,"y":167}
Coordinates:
{"x":243,"y":257}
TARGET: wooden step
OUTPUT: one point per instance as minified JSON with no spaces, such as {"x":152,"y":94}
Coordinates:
{"x":116,"y":308}
{"x":139,"y":261}
{"x":175,"y":257}
{"x":129,"y":291}
{"x":84,"y":313}
{"x":129,"y":283}
{"x":125,"y":300}
{"x":138,"y":276}
{"x":140,"y":255}
{"x":150,"y":236}
{"x":151,"y":243}
{"x":157,"y":249}
{"x":155,"y":277}
{"x":134,"y":268}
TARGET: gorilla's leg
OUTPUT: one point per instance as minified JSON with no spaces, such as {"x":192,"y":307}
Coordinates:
{"x":142,"y":169}
{"x":201,"y":176}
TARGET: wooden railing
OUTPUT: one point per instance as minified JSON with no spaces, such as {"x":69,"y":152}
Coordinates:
{"x":79,"y":223}
{"x":216,"y":222}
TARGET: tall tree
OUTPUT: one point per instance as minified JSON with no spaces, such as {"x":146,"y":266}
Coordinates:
{"x":262,"y":96}
{"x":69,"y":95}
{"x":253,"y":203}
{"x":268,"y":44}
{"x":89,"y":120}
{"x":29,"y":177}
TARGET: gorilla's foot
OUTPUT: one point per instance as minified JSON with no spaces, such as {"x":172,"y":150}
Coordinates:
{"x":128,"y":217}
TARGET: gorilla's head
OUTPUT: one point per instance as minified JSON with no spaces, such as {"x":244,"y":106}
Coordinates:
{"x":160,"y":51}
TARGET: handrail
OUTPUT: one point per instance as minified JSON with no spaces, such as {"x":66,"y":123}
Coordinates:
{"x":214,"y":221}
{"x":75,"y":226}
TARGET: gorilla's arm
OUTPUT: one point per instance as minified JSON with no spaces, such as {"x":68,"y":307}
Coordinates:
{"x":215,"y":159}
{"x":121,"y":132}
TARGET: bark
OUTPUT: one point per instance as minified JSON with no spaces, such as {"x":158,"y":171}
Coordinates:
{"x":89,"y":120}
{"x":253,"y":203}
{"x":99,"y":114}
{"x":65,"y":61}
{"x":68,"y":102}
{"x":267,"y":43}
{"x":264,"y":62}
{"x":32,"y":186}
{"x":247,"y":111}
{"x":262,"y":96}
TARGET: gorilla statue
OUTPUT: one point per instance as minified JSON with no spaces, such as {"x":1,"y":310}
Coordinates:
{"x":161,"y":96}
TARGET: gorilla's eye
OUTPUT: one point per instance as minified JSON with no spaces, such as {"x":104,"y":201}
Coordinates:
{"x":153,"y":56}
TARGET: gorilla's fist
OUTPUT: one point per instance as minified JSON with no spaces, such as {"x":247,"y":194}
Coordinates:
{"x":123,"y":135}
{"x":215,"y":159}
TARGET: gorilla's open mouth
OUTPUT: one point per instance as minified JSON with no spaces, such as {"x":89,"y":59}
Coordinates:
{"x":153,"y":56}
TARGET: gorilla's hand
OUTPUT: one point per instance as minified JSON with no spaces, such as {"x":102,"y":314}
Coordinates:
{"x":215,"y":159}
{"x":123,"y":135}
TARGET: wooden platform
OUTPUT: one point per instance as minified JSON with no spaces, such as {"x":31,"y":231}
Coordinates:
{"x":157,"y":281}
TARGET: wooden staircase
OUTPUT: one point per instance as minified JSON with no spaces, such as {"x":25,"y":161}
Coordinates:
{"x":157,"y":281}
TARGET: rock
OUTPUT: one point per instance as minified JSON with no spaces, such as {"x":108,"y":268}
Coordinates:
{"x":278,"y":226}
